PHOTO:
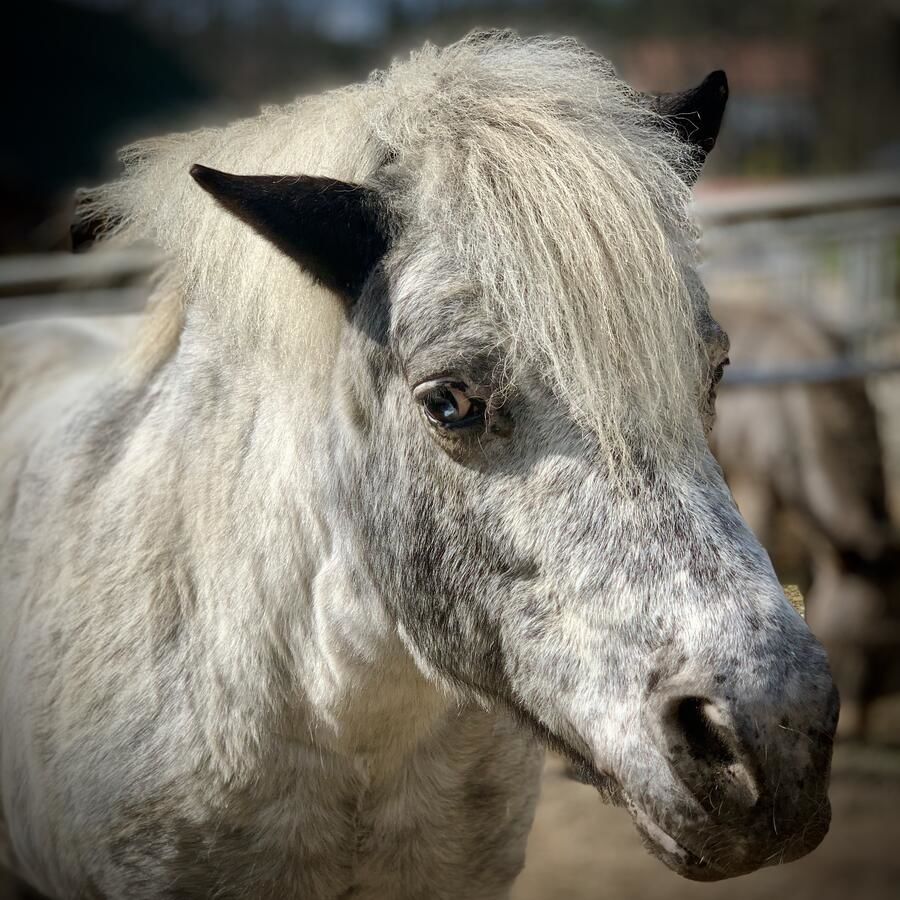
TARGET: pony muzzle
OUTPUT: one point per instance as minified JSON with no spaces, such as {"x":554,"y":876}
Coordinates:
{"x":735,"y":791}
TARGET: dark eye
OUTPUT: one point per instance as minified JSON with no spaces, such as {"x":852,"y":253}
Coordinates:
{"x":720,"y":370}
{"x":450,"y":404}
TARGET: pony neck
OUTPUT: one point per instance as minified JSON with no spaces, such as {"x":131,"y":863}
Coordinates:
{"x":293,"y":643}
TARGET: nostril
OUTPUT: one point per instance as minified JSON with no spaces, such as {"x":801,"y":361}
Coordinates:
{"x":697,"y":722}
{"x":708,"y":756}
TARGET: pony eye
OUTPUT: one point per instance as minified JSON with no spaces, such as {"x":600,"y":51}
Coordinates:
{"x":720,"y":370}
{"x":449,"y":404}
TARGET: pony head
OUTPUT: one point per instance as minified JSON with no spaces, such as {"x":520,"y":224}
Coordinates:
{"x":512,"y":374}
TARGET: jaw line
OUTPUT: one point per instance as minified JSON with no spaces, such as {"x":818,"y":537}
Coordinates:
{"x":662,"y":845}
{"x":606,"y":785}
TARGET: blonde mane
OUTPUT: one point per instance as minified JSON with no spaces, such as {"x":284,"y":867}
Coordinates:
{"x":546,"y":180}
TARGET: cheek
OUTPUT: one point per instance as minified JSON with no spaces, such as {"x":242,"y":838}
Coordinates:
{"x":353,"y":407}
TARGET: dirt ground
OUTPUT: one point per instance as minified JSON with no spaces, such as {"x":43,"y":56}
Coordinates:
{"x":581,"y":849}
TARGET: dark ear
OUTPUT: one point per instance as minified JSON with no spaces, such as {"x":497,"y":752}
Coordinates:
{"x":696,"y":114}
{"x":333,"y":229}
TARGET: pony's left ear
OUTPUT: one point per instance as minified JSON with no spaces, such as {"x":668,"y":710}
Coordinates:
{"x":335,"y":230}
{"x":696,"y":114}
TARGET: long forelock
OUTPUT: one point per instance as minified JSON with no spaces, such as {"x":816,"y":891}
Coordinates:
{"x":539,"y":172}
{"x":559,"y":194}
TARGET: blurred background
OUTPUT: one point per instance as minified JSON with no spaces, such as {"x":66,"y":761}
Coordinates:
{"x":801,"y":208}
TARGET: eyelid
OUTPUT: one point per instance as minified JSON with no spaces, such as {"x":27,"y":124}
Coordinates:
{"x":422,"y":390}
{"x":717,"y":374}
{"x":472,"y":391}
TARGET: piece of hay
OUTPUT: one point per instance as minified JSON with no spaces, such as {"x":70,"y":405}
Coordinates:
{"x":796,"y":598}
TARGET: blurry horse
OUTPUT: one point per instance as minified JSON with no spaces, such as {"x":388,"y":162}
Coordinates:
{"x":402,"y":478}
{"x":804,"y":462}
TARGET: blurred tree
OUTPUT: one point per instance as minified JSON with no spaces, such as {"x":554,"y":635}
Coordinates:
{"x":81,"y":82}
{"x":86,"y":78}
{"x":859,"y":92}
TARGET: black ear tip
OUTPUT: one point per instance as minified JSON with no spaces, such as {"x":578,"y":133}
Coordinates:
{"x":206,"y":177}
{"x":716,"y":83}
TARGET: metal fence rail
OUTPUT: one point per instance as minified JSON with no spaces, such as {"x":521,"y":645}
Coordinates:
{"x":799,"y":199}
{"x":830,"y":372}
{"x":102,"y":283}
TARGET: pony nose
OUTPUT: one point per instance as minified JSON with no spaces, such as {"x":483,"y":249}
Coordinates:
{"x":750,"y":772}
{"x":706,"y":753}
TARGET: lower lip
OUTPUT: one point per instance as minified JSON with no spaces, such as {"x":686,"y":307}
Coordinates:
{"x":611,"y":791}
{"x":662,"y":839}
{"x":671,"y":852}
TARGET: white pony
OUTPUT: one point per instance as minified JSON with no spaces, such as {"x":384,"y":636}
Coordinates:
{"x":401,"y":478}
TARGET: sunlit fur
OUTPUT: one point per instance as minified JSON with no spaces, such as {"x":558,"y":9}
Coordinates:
{"x":588,"y":284}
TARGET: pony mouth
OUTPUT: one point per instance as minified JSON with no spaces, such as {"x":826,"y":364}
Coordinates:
{"x":669,"y":851}
{"x":742,"y":857}
{"x":741,"y":860}
{"x":655,"y":838}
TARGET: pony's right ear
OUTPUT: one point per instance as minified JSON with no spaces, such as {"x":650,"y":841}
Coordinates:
{"x":695,"y":115}
{"x":335,"y":230}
